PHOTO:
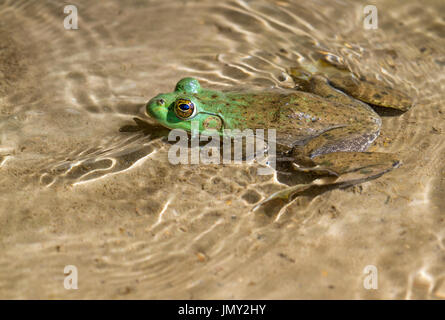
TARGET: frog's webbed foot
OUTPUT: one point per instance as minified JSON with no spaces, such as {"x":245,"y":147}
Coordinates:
{"x":340,"y":169}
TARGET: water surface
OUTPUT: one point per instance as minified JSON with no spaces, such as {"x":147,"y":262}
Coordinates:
{"x":82,"y":184}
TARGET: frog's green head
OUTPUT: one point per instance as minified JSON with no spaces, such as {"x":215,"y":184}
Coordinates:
{"x":176,"y":110}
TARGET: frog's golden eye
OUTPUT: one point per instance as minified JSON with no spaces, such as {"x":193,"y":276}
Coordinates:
{"x":185,"y":109}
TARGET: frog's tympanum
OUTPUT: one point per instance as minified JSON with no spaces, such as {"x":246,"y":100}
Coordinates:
{"x":325,"y":126}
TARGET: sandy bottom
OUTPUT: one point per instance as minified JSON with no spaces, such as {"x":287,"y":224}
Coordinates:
{"x":83,"y":185}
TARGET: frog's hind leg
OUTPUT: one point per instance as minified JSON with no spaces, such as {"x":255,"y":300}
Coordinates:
{"x":357,"y":134}
{"x":373,"y":92}
{"x":320,"y":86}
{"x":356,"y":137}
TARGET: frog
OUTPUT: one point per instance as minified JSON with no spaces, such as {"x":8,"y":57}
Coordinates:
{"x":324,"y":125}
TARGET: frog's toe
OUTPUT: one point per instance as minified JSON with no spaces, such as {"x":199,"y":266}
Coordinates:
{"x":318,"y":169}
{"x":284,"y":195}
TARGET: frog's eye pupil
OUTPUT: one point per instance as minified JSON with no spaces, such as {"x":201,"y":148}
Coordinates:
{"x":185,"y":109}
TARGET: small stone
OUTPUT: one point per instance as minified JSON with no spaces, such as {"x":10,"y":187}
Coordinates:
{"x":201,"y":257}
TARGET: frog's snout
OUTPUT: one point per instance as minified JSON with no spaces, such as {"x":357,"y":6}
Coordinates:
{"x":156,"y":108}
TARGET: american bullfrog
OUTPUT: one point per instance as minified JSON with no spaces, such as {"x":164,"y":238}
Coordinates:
{"x":325,"y":127}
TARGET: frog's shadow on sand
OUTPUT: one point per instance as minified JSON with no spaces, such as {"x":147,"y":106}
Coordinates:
{"x":117,"y":154}
{"x":155,"y":131}
{"x":386,"y":112}
{"x":285,"y":173}
{"x":95,"y":163}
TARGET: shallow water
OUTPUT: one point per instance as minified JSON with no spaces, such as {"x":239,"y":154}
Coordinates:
{"x":82,"y":185}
